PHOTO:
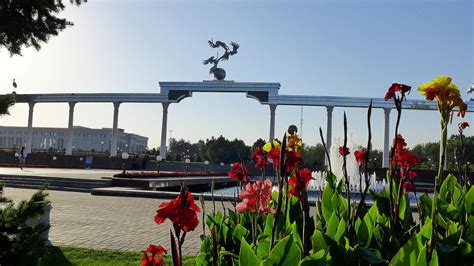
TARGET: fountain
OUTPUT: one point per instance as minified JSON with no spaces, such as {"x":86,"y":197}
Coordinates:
{"x":319,"y":181}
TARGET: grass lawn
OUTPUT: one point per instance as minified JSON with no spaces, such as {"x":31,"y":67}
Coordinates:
{"x":69,"y":255}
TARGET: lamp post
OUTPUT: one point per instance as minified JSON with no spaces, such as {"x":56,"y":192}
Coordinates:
{"x":187,"y":161}
{"x":124,"y":157}
{"x":102,"y":143}
{"x":206,"y":163}
{"x":158,"y":160}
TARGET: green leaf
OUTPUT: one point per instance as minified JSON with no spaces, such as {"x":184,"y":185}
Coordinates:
{"x":341,"y":230}
{"x":448,"y":186}
{"x":285,"y":252}
{"x":247,"y":256}
{"x":296,"y":235}
{"x":469,"y":201}
{"x":382,"y":201}
{"x":318,"y":242}
{"x":422,"y":258}
{"x":362,"y":231}
{"x":315,"y":259}
{"x":370,"y":255}
{"x":331,"y":179}
{"x":225,"y":231}
{"x":369,"y":220}
{"x":402,"y":207}
{"x":326,"y":203}
{"x":263,"y":247}
{"x":268,"y":224}
{"x":333,"y":224}
{"x":408,"y":254}
{"x":239,"y":233}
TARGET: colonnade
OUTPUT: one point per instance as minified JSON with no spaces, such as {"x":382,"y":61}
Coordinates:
{"x":163,"y":148}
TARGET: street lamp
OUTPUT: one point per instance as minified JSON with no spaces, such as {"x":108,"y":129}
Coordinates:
{"x":206,"y":163}
{"x":102,"y":143}
{"x":124,"y":157}
{"x":187,"y":161}
{"x":158,"y":160}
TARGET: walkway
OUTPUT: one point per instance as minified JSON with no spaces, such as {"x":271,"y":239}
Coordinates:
{"x":59,"y":172}
{"x":103,"y":222}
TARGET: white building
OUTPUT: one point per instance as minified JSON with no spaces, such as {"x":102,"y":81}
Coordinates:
{"x":85,"y":139}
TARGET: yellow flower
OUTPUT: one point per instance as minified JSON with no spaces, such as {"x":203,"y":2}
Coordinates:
{"x":294,"y":142}
{"x":446,"y":94}
{"x":273,"y":144}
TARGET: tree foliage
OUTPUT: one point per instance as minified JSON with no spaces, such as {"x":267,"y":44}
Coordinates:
{"x":21,"y":241}
{"x":428,"y":153}
{"x":25,"y":23}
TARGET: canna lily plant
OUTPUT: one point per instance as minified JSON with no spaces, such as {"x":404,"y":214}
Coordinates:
{"x":448,"y":97}
{"x":272,"y":223}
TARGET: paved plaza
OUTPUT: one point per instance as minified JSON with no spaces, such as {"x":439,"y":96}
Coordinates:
{"x":59,"y":172}
{"x":103,"y":222}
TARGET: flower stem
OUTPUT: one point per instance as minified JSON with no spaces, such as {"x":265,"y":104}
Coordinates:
{"x":344,"y":169}
{"x":438,"y":181}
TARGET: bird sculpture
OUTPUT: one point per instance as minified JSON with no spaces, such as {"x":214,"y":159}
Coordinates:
{"x":219,"y":73}
{"x":471,"y":90}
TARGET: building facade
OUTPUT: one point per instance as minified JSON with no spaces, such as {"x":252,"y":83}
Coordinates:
{"x":85,"y":139}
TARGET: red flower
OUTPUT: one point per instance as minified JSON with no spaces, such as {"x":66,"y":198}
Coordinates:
{"x":299,"y":182}
{"x":405,"y":158}
{"x":463,"y":125}
{"x":155,"y":258}
{"x":274,"y":154}
{"x":293,"y":158}
{"x":396,"y":88}
{"x":238,"y":172}
{"x":360,"y":156}
{"x":181,"y":211}
{"x":261,"y":160}
{"x":343,"y":151}
{"x":399,"y":142}
{"x":408,"y":186}
{"x":255,"y":197}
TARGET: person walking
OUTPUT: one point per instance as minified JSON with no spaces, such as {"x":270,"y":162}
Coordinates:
{"x":22,"y":156}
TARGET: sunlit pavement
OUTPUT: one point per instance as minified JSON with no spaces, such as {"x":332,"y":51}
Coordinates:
{"x":59,"y":172}
{"x":103,"y":222}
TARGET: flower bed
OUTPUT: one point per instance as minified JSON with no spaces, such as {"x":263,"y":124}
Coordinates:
{"x":277,"y":228}
{"x":150,"y":174}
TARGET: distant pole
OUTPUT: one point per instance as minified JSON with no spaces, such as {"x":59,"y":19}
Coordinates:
{"x":301,"y":123}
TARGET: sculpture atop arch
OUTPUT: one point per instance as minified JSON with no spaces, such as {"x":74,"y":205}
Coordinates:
{"x":219,"y":73}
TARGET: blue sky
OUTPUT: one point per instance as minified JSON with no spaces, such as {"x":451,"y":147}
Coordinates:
{"x":342,"y":48}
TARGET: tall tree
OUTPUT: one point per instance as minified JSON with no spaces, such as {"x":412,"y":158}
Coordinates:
{"x":25,"y":23}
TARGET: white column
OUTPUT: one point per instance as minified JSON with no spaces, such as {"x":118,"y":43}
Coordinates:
{"x":70,"y":129}
{"x":386,"y":139}
{"x":164,"y":125}
{"x":272,"y":120}
{"x":29,"y":137}
{"x":329,"y":131}
{"x":113,"y":145}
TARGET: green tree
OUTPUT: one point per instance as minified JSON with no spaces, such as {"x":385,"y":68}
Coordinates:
{"x":258,"y":143}
{"x":25,"y":23}
{"x":314,"y":156}
{"x":21,"y":241}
